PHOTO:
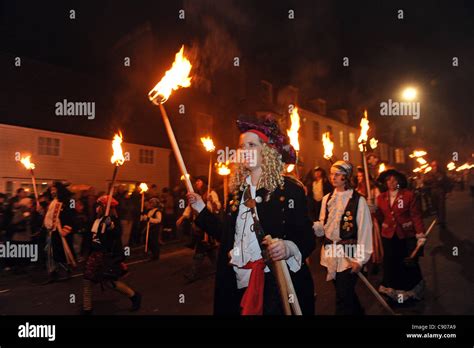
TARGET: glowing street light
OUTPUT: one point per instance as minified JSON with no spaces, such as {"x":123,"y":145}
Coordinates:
{"x":409,"y":93}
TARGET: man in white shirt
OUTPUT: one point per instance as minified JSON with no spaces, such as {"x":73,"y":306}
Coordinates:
{"x":346,"y":224}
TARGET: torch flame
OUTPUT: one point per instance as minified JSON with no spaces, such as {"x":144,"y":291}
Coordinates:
{"x":451,"y":166}
{"x":117,"y":158}
{"x":328,"y":145}
{"x":373,"y":143}
{"x":187,"y":176}
{"x":418,"y":153}
{"x":364,"y":129}
{"x":421,"y":160}
{"x":293,"y":131}
{"x":143,"y":187}
{"x":290,"y":168}
{"x":26,"y":162}
{"x":465,"y":166}
{"x":208,"y":144}
{"x":176,"y":77}
{"x":381,"y":168}
{"x":223,"y":169}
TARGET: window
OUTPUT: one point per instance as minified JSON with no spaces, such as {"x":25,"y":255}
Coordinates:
{"x":352,"y":141}
{"x":316,"y":131}
{"x":341,"y":138}
{"x":399,"y":156}
{"x":146,"y":156}
{"x":384,"y":152}
{"x":48,"y":146}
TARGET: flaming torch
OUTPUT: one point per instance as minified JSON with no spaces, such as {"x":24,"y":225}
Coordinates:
{"x":30,"y":166}
{"x":176,"y":77}
{"x":117,"y":159}
{"x":143,"y":188}
{"x":382,"y":168}
{"x":223,"y":169}
{"x":328,"y":146}
{"x":209,"y":146}
{"x":293,"y":135}
{"x":364,"y":129}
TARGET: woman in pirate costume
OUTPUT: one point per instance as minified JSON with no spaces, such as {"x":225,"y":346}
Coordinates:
{"x":402,"y":228}
{"x":263,"y":203}
{"x":105,"y":263}
{"x":346,"y":224}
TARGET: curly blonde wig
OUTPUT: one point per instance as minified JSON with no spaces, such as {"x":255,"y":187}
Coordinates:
{"x":272,"y":167}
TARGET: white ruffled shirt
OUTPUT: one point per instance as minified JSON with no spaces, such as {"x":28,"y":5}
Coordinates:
{"x":332,"y":256}
{"x":246,"y":247}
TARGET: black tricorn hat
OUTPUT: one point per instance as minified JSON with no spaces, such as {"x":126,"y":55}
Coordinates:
{"x":401,"y":178}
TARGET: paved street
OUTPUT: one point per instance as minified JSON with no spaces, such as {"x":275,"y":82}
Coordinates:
{"x":449,"y":280}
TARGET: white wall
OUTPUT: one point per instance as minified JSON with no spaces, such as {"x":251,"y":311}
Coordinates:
{"x":82,"y":160}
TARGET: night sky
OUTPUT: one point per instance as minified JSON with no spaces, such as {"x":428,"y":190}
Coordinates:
{"x":385,"y":53}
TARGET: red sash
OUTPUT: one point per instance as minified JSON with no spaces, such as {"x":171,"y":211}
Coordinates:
{"x":252,"y":300}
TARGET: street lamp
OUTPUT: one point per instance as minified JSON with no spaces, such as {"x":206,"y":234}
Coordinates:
{"x":409,"y":93}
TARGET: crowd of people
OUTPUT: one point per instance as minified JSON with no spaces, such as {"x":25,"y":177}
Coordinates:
{"x":382,"y":223}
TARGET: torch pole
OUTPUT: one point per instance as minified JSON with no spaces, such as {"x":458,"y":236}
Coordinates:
{"x":143,"y":202}
{"x":225,"y":191}
{"x":111,"y":191}
{"x":209,"y":177}
{"x":366,"y":174}
{"x":174,"y":145}
{"x":33,"y":181}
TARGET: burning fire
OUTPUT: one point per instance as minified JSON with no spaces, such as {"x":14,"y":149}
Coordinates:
{"x":364,"y":129}
{"x":421,"y":160}
{"x":373,"y":143}
{"x":176,"y":77}
{"x":328,"y":145}
{"x":208,"y":144}
{"x":26,"y":162}
{"x":465,"y":166}
{"x":117,"y":158}
{"x":187,"y":176}
{"x":451,"y":166}
{"x":418,"y":153}
{"x":290,"y":168}
{"x":143,"y":187}
{"x":381,"y":168}
{"x":223,"y":169}
{"x":293,"y":131}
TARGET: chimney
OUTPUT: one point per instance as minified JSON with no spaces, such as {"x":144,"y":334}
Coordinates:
{"x":341,"y":115}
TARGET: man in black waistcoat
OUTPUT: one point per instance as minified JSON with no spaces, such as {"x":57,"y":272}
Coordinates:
{"x":346,"y":225}
{"x":244,"y":283}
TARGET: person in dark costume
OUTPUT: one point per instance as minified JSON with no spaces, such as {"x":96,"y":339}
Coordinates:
{"x":263,"y":202}
{"x":105,"y":263}
{"x":317,"y":186}
{"x":59,"y":222}
{"x":153,"y":219}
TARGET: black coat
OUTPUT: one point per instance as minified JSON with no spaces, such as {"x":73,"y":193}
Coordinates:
{"x":284,"y":216}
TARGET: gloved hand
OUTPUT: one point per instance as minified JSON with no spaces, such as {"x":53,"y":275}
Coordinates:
{"x":196,"y":201}
{"x":421,"y":239}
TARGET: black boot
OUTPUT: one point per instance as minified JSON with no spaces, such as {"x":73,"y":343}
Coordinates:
{"x":136,"y":301}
